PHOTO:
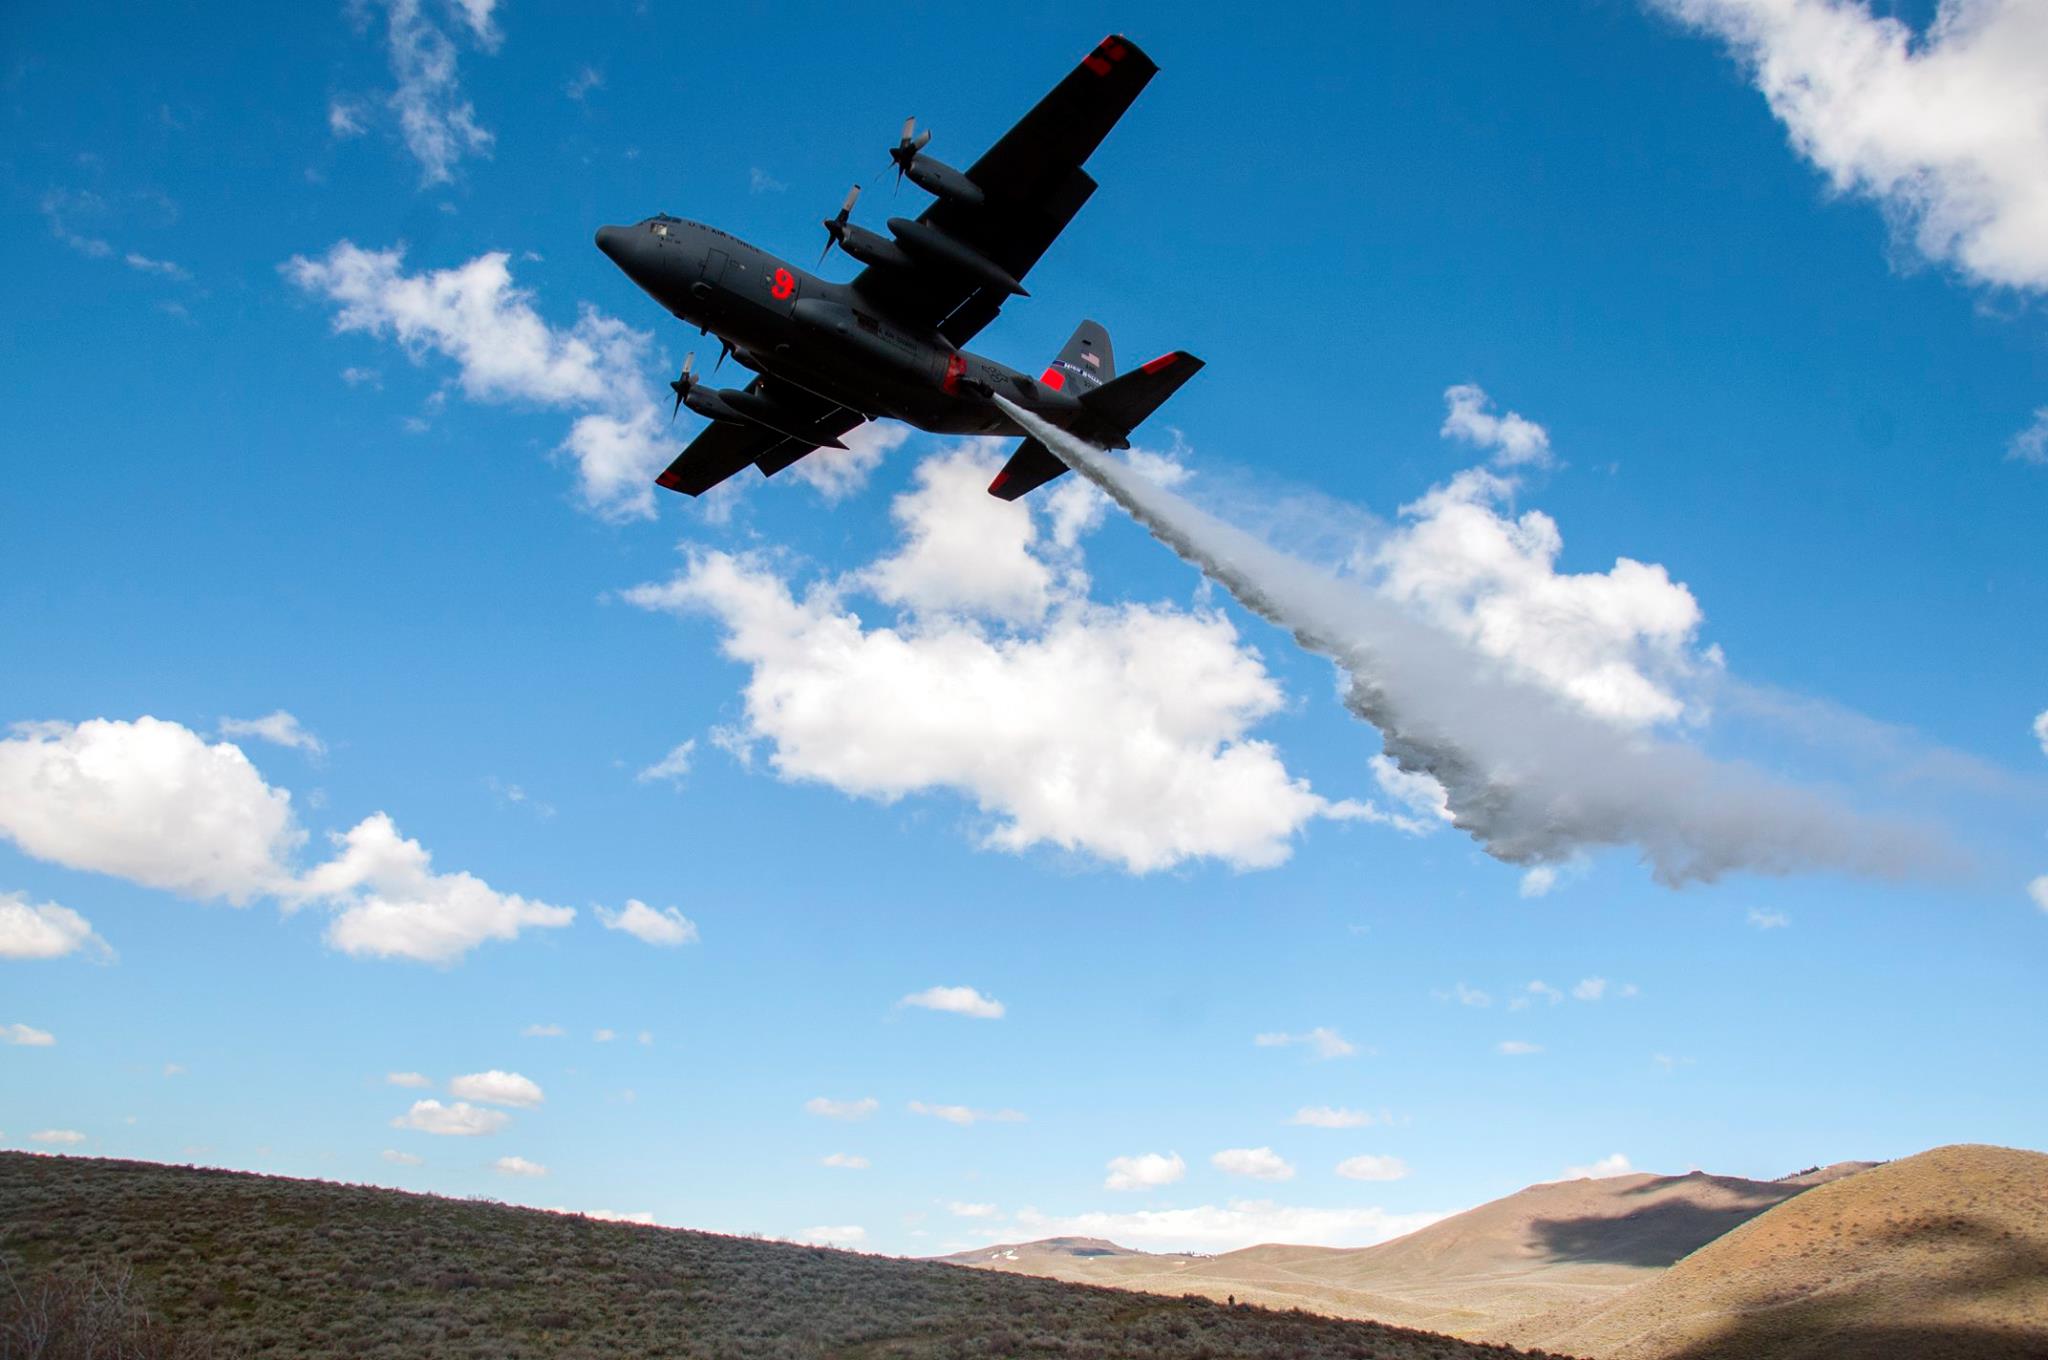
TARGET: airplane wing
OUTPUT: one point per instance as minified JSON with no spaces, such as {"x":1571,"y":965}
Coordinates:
{"x":723,"y":447}
{"x":1033,"y":184}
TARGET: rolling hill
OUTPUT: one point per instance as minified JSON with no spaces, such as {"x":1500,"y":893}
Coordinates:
{"x":1941,"y":1256}
{"x":232,"y":1264}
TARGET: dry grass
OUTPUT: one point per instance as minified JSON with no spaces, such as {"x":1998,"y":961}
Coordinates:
{"x":229,"y":1264}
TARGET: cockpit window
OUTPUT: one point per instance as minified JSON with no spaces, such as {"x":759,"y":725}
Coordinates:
{"x":661,"y":228}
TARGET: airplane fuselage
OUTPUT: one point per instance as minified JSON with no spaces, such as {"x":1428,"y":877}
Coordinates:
{"x":826,"y":338}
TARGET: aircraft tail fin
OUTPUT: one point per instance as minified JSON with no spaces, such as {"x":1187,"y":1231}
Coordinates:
{"x":1085,"y":362}
{"x":1115,"y":408}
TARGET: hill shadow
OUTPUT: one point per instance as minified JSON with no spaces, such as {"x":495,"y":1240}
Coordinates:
{"x":1823,"y":1326}
{"x":1655,"y":1236}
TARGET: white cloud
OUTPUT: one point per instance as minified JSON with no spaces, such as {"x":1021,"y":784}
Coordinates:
{"x":497,"y":1088}
{"x":279,"y":728}
{"x":1416,"y":790}
{"x":833,"y":1235}
{"x":1367,"y":1167}
{"x":759,"y":181}
{"x":1667,"y":1063}
{"x":972,"y":1210}
{"x":1515,"y":1048}
{"x":1538,"y":882}
{"x":2031,"y":446}
{"x":357,"y":377}
{"x":416,"y":1080}
{"x":1538,"y":990}
{"x":671,"y":767}
{"x":1946,"y":130}
{"x":1221,"y":1228}
{"x":1330,"y":1117}
{"x":2041,"y":730}
{"x":603,"y":1036}
{"x":477,"y":14}
{"x":1614,"y":1164}
{"x":1514,"y":440}
{"x":1465,"y":996}
{"x":838,"y":473}
{"x":518,"y":1166}
{"x":43,"y":930}
{"x":2038,"y":890}
{"x":1768,"y":920}
{"x":666,"y":927}
{"x":541,"y":1032}
{"x":846,"y":1161}
{"x":1326,"y":1042}
{"x":842,"y":1109}
{"x":964,"y":1115}
{"x":505,"y":351}
{"x":167,"y":268}
{"x":1120,"y":732}
{"x":1259,"y":1163}
{"x":174,"y":1069}
{"x":148,"y":801}
{"x":1145,"y":1171}
{"x":586,"y":79}
{"x":958,"y":1000}
{"x":58,"y":1137}
{"x":1590,"y":989}
{"x":460,"y":1120}
{"x":437,"y":123}
{"x":344,"y":118}
{"x":26,"y":1036}
{"x":397,"y":1158}
{"x":392,"y":905}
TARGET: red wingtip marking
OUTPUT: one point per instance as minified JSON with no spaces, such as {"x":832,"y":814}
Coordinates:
{"x":995,"y":487}
{"x":1163,"y":361}
{"x":1054,"y":379}
{"x":1096,"y":64}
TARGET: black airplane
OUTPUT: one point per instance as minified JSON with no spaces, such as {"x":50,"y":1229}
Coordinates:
{"x":832,"y":355}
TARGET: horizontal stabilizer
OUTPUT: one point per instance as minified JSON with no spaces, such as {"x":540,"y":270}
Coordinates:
{"x":1123,"y":403}
{"x":1030,"y":467}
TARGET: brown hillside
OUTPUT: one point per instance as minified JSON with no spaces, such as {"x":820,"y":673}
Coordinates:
{"x":1566,"y":1243}
{"x":230,"y":1265}
{"x":1943,"y":1256}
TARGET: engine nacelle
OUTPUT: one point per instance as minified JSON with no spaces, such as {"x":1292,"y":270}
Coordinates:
{"x":934,"y":245}
{"x":942,"y":180}
{"x":871,"y":247}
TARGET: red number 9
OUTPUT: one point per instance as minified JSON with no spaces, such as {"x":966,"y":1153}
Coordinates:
{"x":785,"y":283}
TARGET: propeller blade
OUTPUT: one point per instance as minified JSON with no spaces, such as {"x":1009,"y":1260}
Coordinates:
{"x":829,"y":238}
{"x":723,"y":350}
{"x":923,"y":140}
{"x":852,"y":197}
{"x":682,"y":384}
{"x":689,"y":364}
{"x":909,"y":127}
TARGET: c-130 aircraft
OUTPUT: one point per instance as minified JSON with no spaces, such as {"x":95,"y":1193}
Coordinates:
{"x":832,"y":355}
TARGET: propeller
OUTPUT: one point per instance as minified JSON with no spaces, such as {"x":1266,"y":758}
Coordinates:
{"x":835,"y":227}
{"x":906,"y":149}
{"x":682,"y":385}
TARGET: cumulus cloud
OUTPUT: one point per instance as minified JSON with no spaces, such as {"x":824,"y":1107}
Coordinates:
{"x":460,"y":1120}
{"x":1946,"y":130}
{"x":397,"y":1158}
{"x":826,"y":1108}
{"x":1539,"y":744}
{"x":671,"y":767}
{"x":1768,"y":920}
{"x":1513,"y":439}
{"x":279,"y":728}
{"x":846,"y":1235}
{"x":148,"y":801}
{"x":1539,"y":990}
{"x":57,"y":1137}
{"x":1226,"y":1227}
{"x":2031,"y":446}
{"x":1590,"y":989}
{"x":1120,"y":732}
{"x":838,"y":473}
{"x":1330,"y":1117}
{"x":437,"y":122}
{"x":392,"y":904}
{"x":418,"y":1081}
{"x":1259,"y":1163}
{"x":518,"y":1166}
{"x":2038,"y":890}
{"x":43,"y":930}
{"x":1145,"y":1171}
{"x":1614,"y":1164}
{"x":497,"y":1088}
{"x":965,"y":1115}
{"x":958,"y":1000}
{"x":26,"y":1036}
{"x":1366,"y":1167}
{"x":2041,"y":731}
{"x":1323,"y":1041}
{"x":1516,"y":1048}
{"x":665,"y":928}
{"x":845,"y":1161}
{"x":505,"y":351}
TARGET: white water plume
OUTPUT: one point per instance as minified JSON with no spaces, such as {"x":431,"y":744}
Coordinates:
{"x":1533,"y":778}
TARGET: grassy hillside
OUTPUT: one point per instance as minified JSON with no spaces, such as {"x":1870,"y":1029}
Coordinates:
{"x":1576,"y":1244}
{"x":265,"y":1266}
{"x":1943,"y":1256}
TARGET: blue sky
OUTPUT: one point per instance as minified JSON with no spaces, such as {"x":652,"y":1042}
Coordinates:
{"x":319,"y":412}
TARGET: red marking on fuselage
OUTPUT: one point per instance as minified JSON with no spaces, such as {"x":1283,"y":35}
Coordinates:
{"x":1054,"y":379}
{"x":785,"y":283}
{"x":1163,"y":361}
{"x":956,"y":369}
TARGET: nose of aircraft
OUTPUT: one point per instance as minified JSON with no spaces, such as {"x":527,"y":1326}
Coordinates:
{"x":611,"y":240}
